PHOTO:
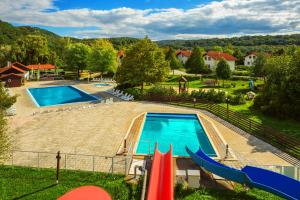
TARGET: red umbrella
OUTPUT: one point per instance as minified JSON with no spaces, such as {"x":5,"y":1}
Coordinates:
{"x":86,"y":193}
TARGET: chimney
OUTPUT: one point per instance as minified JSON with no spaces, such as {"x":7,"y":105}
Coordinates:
{"x":8,"y":64}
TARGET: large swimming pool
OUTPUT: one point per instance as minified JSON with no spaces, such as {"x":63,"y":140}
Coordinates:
{"x":180,"y":130}
{"x":56,"y":95}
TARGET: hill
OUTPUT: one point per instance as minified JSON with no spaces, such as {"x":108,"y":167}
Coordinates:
{"x":10,"y":33}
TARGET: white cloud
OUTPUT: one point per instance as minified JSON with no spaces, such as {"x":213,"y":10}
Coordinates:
{"x":216,"y":19}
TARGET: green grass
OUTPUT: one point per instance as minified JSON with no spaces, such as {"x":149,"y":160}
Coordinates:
{"x":290,"y":127}
{"x":30,"y":183}
{"x":239,"y":193}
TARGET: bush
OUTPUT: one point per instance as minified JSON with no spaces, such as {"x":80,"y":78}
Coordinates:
{"x":242,"y":73}
{"x":237,"y":99}
{"x":216,"y":96}
{"x":136,"y":92}
{"x":243,"y":68}
{"x":158,"y":92}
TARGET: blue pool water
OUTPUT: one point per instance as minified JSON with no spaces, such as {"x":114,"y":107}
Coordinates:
{"x":102,"y":84}
{"x":49,"y":96}
{"x":180,"y":130}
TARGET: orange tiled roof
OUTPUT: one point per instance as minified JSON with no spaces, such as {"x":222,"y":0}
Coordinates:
{"x":14,"y":67}
{"x":186,"y":53}
{"x":217,"y":55}
{"x":41,"y":67}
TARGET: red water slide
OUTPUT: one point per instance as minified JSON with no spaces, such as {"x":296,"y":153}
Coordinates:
{"x":161,"y":179}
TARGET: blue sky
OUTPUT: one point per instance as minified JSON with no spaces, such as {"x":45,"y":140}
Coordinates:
{"x":159,"y":19}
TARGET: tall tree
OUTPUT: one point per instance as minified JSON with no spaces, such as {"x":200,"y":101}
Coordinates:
{"x":173,"y":60}
{"x":195,"y":64}
{"x":31,"y":49}
{"x":259,"y":65}
{"x":144,"y":63}
{"x":281,"y":94}
{"x":77,"y":57}
{"x":6,"y":101}
{"x":223,"y":70}
{"x":240,"y":56}
{"x":103,"y":57}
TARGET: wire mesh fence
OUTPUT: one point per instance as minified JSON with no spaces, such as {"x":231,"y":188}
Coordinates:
{"x":97,"y":163}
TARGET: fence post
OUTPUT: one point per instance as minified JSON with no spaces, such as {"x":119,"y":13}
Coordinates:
{"x":93,"y":163}
{"x":112,"y":165}
{"x":65,"y":161}
{"x":38,"y":160}
{"x":58,"y":157}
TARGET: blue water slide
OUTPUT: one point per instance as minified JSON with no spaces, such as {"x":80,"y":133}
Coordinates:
{"x":278,"y":184}
{"x":252,"y":176}
{"x":217,"y":168}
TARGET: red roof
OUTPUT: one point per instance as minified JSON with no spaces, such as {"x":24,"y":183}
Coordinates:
{"x":14,"y":67}
{"x":20,"y":66}
{"x":12,"y":74}
{"x":41,"y":67}
{"x":120,"y":54}
{"x":217,"y":55}
{"x":186,"y":53}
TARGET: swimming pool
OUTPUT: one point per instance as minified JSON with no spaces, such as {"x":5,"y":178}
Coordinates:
{"x":180,"y":130}
{"x":57,"y":95}
{"x":102,"y":84}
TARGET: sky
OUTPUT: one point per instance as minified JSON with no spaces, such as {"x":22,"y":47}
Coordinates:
{"x":158,"y":19}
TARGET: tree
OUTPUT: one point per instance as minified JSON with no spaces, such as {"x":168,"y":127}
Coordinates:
{"x":173,"y":60}
{"x":144,"y":63}
{"x":6,"y":102}
{"x":217,"y":48}
{"x":223,"y":70}
{"x":259,"y":65}
{"x":281,"y":95}
{"x":77,"y":57}
{"x":240,"y":56}
{"x":103,"y":57}
{"x":31,"y":49}
{"x":195,"y":64}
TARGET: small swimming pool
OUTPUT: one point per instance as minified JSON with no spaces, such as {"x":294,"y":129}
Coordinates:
{"x":102,"y":84}
{"x":180,"y":130}
{"x":57,"y":95}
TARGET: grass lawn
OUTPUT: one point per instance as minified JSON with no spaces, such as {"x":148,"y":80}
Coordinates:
{"x":28,"y":183}
{"x":290,"y":127}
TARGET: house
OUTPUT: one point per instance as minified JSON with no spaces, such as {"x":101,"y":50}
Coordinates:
{"x":212,"y":58}
{"x":183,"y":55}
{"x":120,"y":56}
{"x":250,"y":59}
{"x":12,"y":76}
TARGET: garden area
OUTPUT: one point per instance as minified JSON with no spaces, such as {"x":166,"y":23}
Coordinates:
{"x":31,"y":183}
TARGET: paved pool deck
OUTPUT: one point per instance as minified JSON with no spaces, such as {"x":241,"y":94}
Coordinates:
{"x":100,"y":130}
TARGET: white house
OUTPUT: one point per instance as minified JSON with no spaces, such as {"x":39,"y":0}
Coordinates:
{"x":250,"y":59}
{"x":212,"y":58}
{"x":183,"y":55}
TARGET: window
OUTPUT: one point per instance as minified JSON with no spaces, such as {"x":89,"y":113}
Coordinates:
{"x":248,"y":63}
{"x":209,"y":58}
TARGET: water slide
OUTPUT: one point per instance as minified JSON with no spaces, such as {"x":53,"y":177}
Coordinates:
{"x":161,"y":177}
{"x":270,"y":181}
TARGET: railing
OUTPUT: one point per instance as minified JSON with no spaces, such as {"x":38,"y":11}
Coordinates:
{"x":282,"y":141}
{"x":95,"y":163}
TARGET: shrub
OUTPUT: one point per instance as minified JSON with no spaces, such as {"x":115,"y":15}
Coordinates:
{"x":242,"y":73}
{"x":136,"y":92}
{"x":216,"y":96}
{"x":159,"y":92}
{"x":237,"y":99}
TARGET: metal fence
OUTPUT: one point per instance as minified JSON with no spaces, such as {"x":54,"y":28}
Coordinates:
{"x":96,"y":163}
